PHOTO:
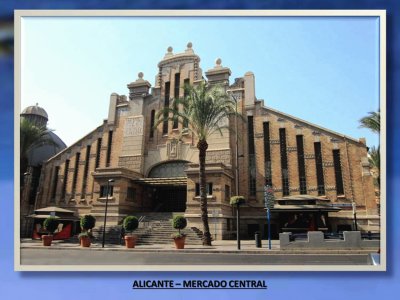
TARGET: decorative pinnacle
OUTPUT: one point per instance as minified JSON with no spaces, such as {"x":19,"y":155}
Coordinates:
{"x":170,"y":49}
{"x":140,"y":75}
{"x":189,"y":45}
{"x":218,"y":62}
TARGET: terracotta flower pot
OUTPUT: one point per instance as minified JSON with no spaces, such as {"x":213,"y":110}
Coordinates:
{"x":180,"y":242}
{"x":130,"y":241}
{"x":85,"y":241}
{"x":46,"y":239}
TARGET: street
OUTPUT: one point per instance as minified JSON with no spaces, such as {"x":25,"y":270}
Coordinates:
{"x":47,"y":257}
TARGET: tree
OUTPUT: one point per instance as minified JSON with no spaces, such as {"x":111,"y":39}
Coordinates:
{"x":372,"y":122}
{"x":375,"y":162}
{"x":31,"y":136}
{"x":200,"y":112}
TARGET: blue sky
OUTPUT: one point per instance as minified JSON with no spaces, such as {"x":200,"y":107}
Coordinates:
{"x":321,"y":69}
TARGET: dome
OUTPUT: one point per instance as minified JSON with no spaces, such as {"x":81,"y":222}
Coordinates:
{"x":35,"y":110}
{"x":40,"y":153}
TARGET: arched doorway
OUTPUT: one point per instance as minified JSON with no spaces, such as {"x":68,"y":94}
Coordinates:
{"x":168,"y":186}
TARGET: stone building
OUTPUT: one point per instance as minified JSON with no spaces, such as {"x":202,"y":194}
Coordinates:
{"x":37,"y":155}
{"x":316,"y":174}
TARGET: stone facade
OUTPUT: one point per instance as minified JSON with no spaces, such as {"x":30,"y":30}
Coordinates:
{"x":127,"y":148}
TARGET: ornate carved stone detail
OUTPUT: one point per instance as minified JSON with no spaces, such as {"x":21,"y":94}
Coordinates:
{"x":309,"y":156}
{"x":312,"y":189}
{"x":134,"y":126}
{"x":276,"y":142}
{"x":259,"y":135}
{"x":217,"y":156}
{"x":174,"y":150}
{"x":291,"y":149}
{"x":330,"y":188}
{"x":328,"y":163}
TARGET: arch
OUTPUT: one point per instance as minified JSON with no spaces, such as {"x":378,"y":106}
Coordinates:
{"x":168,"y":169}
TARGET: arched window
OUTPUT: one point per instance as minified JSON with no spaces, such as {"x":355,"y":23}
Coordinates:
{"x":169,"y":169}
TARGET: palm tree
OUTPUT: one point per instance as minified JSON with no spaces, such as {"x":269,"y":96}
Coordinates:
{"x":202,"y":110}
{"x":375,"y":162}
{"x":372,"y":122}
{"x":30,"y":137}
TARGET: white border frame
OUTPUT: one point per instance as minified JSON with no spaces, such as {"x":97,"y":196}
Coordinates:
{"x":19,"y":14}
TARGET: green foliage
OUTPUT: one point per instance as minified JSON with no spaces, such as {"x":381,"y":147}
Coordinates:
{"x":179,"y":222}
{"x":130,"y":223}
{"x":372,"y":121}
{"x":237,"y":200}
{"x":50,"y":224}
{"x":88,"y":222}
{"x":201,"y":110}
{"x":30,"y":137}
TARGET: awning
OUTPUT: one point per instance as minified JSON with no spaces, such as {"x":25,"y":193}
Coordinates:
{"x":41,"y":216}
{"x":305,"y":208}
{"x":177,"y":181}
{"x":53,"y":209}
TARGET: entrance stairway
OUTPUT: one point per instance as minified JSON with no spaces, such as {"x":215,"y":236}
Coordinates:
{"x":155,"y":228}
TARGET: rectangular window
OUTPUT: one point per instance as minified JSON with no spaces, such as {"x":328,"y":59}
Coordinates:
{"x":338,"y":172}
{"x":209,"y":189}
{"x":76,"y":170}
{"x":131,"y":194}
{"x":301,"y":165}
{"x":152,"y":116}
{"x":85,"y":172}
{"x":166,"y":104}
{"x":186,"y":83}
{"x":66,"y":171}
{"x":55,"y":181}
{"x":267,"y":154}
{"x":176,"y":96}
{"x":284,"y":162}
{"x":319,"y":168}
{"x":103,"y":191}
{"x":252,"y":157}
{"x":98,"y":153}
{"x":109,"y":145}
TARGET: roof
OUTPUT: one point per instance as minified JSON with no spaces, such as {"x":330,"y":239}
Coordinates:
{"x":42,"y":152}
{"x":53,"y":209}
{"x":35,"y":110}
{"x":308,"y":124}
{"x":162,"y":181}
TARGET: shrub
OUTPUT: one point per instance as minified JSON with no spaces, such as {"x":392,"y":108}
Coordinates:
{"x":88,"y":222}
{"x":237,"y":200}
{"x":179,"y":222}
{"x":130,"y":223}
{"x":50,"y":224}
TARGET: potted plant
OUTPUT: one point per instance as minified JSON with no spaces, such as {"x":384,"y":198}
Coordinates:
{"x":179,"y":222}
{"x":50,"y":225}
{"x":87,"y":224}
{"x":130,"y":224}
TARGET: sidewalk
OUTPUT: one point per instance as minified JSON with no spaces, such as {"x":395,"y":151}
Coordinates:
{"x":225,"y":246}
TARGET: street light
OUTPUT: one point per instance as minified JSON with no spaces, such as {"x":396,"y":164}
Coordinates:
{"x":105,"y":212}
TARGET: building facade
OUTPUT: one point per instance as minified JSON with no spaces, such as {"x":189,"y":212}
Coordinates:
{"x":317,"y":175}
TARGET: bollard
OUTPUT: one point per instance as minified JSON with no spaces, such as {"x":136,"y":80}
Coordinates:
{"x":257,"y":237}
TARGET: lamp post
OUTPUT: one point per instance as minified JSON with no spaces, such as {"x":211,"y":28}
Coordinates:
{"x":105,"y":212}
{"x":354,"y":215}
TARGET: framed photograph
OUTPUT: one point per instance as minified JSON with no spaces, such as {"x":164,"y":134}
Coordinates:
{"x":200,"y":140}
